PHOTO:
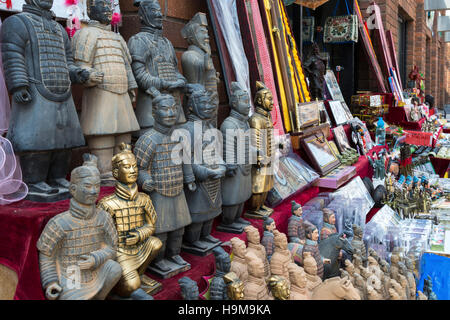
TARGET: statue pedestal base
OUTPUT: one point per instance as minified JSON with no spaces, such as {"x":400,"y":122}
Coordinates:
{"x":149,"y":285}
{"x":258,"y":214}
{"x":174,"y":270}
{"x":200,"y":252}
{"x":235,"y":227}
{"x":62,"y":194}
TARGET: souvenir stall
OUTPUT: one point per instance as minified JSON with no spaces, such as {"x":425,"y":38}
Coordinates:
{"x":298,"y":192}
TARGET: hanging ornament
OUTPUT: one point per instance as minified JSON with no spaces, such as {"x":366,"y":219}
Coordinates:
{"x":73,"y":17}
{"x":115,"y":21}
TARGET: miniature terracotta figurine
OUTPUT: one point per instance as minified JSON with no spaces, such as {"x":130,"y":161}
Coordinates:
{"x":238,"y":264}
{"x":107,"y":116}
{"x":135,"y":220}
{"x":268,"y":236}
{"x":335,"y":289}
{"x":235,"y":286}
{"x":218,"y":288}
{"x":410,"y":278}
{"x":44,"y":126}
{"x":197,"y":63}
{"x":403,"y":272}
{"x":281,"y":257}
{"x":296,"y":229}
{"x":329,"y":220}
{"x":257,"y":248}
{"x":297,"y":277}
{"x":421,"y":296}
{"x":358,"y":243}
{"x":279,"y":287}
{"x":374,"y":288}
{"x":237,"y":183}
{"x":163,"y":180}
{"x":310,"y":267}
{"x":256,"y":288}
{"x":311,"y":245}
{"x":189,"y":289}
{"x":154,"y":64}
{"x":360,"y":285}
{"x":205,"y":203}
{"x":350,"y":269}
{"x":77,"y":248}
{"x":398,"y":289}
{"x":331,"y":249}
{"x":428,"y":288}
{"x":385,"y":278}
{"x":263,"y":141}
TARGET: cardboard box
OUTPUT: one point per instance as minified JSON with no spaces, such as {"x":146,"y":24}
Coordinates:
{"x":336,"y":177}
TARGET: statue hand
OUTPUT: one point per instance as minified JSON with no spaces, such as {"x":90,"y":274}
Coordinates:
{"x":96,"y":77}
{"x":179,"y":84}
{"x":53,"y":290}
{"x":133,"y":239}
{"x":132,"y":95}
{"x":22,"y":95}
{"x":87,"y":262}
{"x":148,"y":186}
{"x":192,"y":186}
{"x":84,"y":75}
{"x":231,"y":172}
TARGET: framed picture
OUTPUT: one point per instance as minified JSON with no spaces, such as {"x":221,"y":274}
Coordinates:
{"x":339,"y":114}
{"x":319,"y":151}
{"x":307,"y":114}
{"x":324,"y":117}
{"x":348,"y":113}
{"x":333,"y":86}
{"x":341,"y":138}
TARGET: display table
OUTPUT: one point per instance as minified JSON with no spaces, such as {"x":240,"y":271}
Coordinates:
{"x":397,"y":116}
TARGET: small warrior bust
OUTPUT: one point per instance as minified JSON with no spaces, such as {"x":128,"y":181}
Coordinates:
{"x":218,"y":288}
{"x":256,"y":288}
{"x":311,"y":245}
{"x":135,"y":219}
{"x":310,"y":267}
{"x":235,"y":286}
{"x":154,"y":64}
{"x":189,"y":288}
{"x":238,"y":264}
{"x":360,"y":285}
{"x":107,"y":116}
{"x":403,"y":277}
{"x":257,"y":248}
{"x":263,"y":141}
{"x":282,"y":257}
{"x":315,"y":68}
{"x":357,"y":241}
{"x":374,"y":288}
{"x":279,"y":287}
{"x":329,"y":221}
{"x":297,"y":277}
{"x":81,"y":240}
{"x":237,"y":183}
{"x":428,"y":288}
{"x":296,"y":229}
{"x":268,"y":236}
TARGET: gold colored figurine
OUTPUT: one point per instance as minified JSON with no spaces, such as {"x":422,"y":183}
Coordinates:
{"x":279,"y":286}
{"x":235,"y":286}
{"x":262,"y":139}
{"x":135,"y":218}
{"x":77,"y":247}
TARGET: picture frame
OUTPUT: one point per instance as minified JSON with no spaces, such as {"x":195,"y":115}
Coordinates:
{"x":307,"y":114}
{"x":341,"y":138}
{"x":333,"y":86}
{"x":339,"y":114}
{"x":320,"y":153}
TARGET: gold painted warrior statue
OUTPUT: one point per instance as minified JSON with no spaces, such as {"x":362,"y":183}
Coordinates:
{"x":77,"y":247}
{"x":262,"y":139}
{"x":135,"y":218}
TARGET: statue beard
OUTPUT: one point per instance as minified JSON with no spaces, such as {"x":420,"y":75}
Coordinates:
{"x":205,"y":47}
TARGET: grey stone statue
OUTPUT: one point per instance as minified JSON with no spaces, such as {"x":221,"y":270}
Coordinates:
{"x":205,"y":203}
{"x":154,"y":64}
{"x":358,"y":243}
{"x":237,"y":183}
{"x":44,"y":126}
{"x":163,"y":179}
{"x":315,"y":68}
{"x":218,"y":288}
{"x":188,"y":288}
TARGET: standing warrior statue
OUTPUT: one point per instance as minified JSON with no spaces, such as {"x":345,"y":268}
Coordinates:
{"x":44,"y":126}
{"x":236,"y":185}
{"x":154,"y":64}
{"x":81,"y":241}
{"x":107,"y":116}
{"x":315,"y":69}
{"x":296,"y":229}
{"x":135,"y":220}
{"x":162,"y":178}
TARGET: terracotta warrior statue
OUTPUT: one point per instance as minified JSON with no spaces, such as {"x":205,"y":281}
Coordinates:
{"x":404,"y":281}
{"x":297,"y":277}
{"x":257,"y":248}
{"x":237,"y":182}
{"x":107,"y":116}
{"x":77,"y":247}
{"x":154,"y":64}
{"x":263,"y":141}
{"x":329,"y":221}
{"x":238,"y":264}
{"x":44,"y":126}
{"x":311,"y":245}
{"x":360,"y":285}
{"x":357,"y":241}
{"x":268,"y":236}
{"x":374,"y":288}
{"x":218,"y":287}
{"x":315,"y":69}
{"x":386,"y":277}
{"x":282,"y":257}
{"x":279,"y":287}
{"x":198,"y":66}
{"x":256,"y":287}
{"x":310,"y":267}
{"x":188,"y":289}
{"x":135,"y":219}
{"x":410,"y":277}
{"x":163,"y":179}
{"x":205,"y":203}
{"x":296,"y":229}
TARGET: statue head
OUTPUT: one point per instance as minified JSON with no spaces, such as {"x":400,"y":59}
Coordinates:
{"x":235,"y":286}
{"x":255,"y":265}
{"x":100,"y":10}
{"x":279,"y":286}
{"x":297,"y":275}
{"x":239,"y":248}
{"x":309,"y":264}
{"x":239,"y":99}
{"x":196,"y":32}
{"x":85,"y":181}
{"x":164,"y":110}
{"x":357,"y":232}
{"x":296,"y":209}
{"x":189,"y":288}
{"x":252,"y":234}
{"x":41,"y":4}
{"x":223,"y":262}
{"x":329,"y":216}
{"x":384,"y":266}
{"x":263,"y":97}
{"x":150,"y":13}
{"x":280,"y":240}
{"x":269,"y":224}
{"x":124,"y":165}
{"x":311,"y":231}
{"x":199,"y":101}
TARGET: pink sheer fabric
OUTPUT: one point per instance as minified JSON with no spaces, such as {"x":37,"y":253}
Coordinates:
{"x":12,"y":188}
